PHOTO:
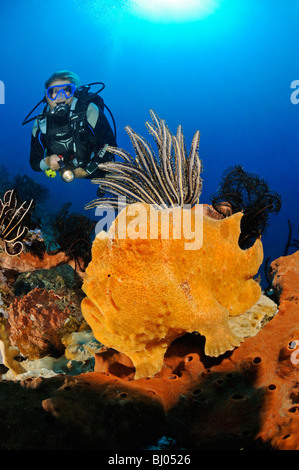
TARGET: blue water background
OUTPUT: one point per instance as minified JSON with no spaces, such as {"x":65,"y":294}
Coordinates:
{"x":228,"y":75}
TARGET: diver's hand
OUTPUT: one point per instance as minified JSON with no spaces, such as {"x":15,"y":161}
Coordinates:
{"x":52,"y":161}
{"x":80,"y":173}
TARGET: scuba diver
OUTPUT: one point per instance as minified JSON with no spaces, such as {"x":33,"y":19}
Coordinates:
{"x":72,"y":132}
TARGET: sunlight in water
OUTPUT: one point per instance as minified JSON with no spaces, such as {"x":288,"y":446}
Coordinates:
{"x":174,"y":10}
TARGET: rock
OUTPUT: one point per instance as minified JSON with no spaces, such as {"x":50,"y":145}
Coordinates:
{"x":38,"y":320}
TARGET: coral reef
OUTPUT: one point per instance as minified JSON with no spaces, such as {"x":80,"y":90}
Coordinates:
{"x":172,"y":178}
{"x":208,"y":290}
{"x":28,"y":261}
{"x":79,"y":357}
{"x":22,"y":274}
{"x":194,"y":350}
{"x":25,"y":230}
{"x":35,"y":257}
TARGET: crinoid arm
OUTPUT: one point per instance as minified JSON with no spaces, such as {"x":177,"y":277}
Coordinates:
{"x":170,"y":178}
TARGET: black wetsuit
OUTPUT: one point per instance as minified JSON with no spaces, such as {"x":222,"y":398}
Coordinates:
{"x":77,"y":142}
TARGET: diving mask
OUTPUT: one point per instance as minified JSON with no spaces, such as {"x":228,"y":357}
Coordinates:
{"x":64,"y":91}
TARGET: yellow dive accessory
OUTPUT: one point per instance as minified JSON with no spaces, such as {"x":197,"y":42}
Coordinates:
{"x":50,"y":173}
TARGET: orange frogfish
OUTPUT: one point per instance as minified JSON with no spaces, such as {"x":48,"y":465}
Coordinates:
{"x":157,"y":274}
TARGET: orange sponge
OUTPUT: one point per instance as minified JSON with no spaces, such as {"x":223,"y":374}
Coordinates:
{"x":144,"y":289}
